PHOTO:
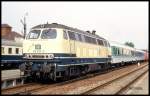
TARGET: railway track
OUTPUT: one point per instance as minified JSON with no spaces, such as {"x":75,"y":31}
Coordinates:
{"x":35,"y":87}
{"x":113,"y":86}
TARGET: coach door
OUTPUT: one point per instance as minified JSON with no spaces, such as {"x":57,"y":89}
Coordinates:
{"x":72,"y":41}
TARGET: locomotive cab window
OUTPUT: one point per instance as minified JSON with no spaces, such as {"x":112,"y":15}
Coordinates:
{"x":49,"y":34}
{"x":34,"y":34}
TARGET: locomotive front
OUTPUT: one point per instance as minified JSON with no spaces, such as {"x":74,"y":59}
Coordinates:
{"x":38,"y":52}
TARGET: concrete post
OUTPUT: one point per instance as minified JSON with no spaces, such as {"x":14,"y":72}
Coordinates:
{"x":14,"y":82}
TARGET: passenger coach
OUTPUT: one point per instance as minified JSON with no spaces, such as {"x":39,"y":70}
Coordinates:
{"x":122,"y":54}
{"x":11,"y":54}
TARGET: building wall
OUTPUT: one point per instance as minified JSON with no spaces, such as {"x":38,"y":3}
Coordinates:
{"x":5,"y":31}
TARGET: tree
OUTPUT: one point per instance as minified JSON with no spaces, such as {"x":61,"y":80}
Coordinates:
{"x":129,"y":44}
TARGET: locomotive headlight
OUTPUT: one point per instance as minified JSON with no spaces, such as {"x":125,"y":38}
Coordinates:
{"x":26,"y":55}
{"x":46,"y":56}
{"x":51,"y":56}
{"x":29,"y":56}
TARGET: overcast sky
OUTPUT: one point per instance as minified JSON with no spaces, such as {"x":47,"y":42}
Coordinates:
{"x":115,"y":21}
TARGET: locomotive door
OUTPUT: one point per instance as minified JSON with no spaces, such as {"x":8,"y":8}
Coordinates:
{"x":71,"y":42}
{"x":72,"y":46}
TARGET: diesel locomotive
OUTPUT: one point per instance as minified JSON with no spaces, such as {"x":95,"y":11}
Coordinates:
{"x":53,"y":51}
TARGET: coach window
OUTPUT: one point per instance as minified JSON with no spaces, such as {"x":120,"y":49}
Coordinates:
{"x":113,"y":50}
{"x":17,"y":50}
{"x":2,"y":48}
{"x":49,"y":34}
{"x":132,"y":53}
{"x":118,"y":51}
{"x":10,"y":50}
{"x":122,"y":52}
{"x":65,"y":35}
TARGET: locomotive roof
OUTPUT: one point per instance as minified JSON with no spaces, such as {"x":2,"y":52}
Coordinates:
{"x":55,"y":25}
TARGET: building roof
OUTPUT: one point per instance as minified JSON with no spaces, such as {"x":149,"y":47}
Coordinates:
{"x":12,"y":36}
{"x":5,"y":26}
{"x":11,"y":43}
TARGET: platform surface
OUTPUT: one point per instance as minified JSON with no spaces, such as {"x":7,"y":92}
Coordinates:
{"x":8,"y":74}
{"x":140,"y":87}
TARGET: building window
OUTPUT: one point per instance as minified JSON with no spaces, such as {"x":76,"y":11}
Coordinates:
{"x":2,"y":48}
{"x":9,"y":50}
{"x":17,"y":50}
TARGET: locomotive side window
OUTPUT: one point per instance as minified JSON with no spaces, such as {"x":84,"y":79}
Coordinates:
{"x":94,"y":40}
{"x":83,"y":38}
{"x":34,"y":34}
{"x":17,"y":50}
{"x":65,"y":35}
{"x":105,"y":43}
{"x":49,"y":34}
{"x":71,"y":35}
{"x":86,"y":39}
{"x":10,"y":50}
{"x":100,"y":42}
{"x":78,"y":37}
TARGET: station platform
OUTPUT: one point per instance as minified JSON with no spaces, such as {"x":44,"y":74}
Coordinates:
{"x":8,"y":74}
{"x":10,"y":78}
{"x":140,"y":87}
